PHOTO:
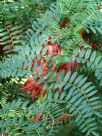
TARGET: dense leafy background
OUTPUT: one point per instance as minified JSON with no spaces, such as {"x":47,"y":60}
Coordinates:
{"x":51,"y":67}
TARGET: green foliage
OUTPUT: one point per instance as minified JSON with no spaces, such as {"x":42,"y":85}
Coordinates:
{"x":80,"y":98}
{"x":20,"y":118}
{"x":25,"y":27}
{"x":92,"y":60}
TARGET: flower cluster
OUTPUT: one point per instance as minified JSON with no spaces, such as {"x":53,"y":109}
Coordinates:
{"x":88,"y":37}
{"x":32,"y":86}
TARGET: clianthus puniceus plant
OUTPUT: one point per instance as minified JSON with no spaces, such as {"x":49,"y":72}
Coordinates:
{"x":32,"y":85}
{"x":50,"y":68}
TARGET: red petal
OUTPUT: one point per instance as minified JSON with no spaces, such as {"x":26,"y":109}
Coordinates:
{"x":37,"y":117}
{"x":64,"y":22}
{"x":92,"y":45}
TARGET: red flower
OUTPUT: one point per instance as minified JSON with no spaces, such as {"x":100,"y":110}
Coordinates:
{"x":37,"y":117}
{"x":60,"y":118}
{"x":44,"y":64}
{"x":92,"y":45}
{"x":75,"y":64}
{"x":52,"y":48}
{"x":67,"y":66}
{"x":83,"y":32}
{"x":81,"y":47}
{"x":88,"y":38}
{"x":63,"y":117}
{"x":32,"y":87}
{"x":64,"y":22}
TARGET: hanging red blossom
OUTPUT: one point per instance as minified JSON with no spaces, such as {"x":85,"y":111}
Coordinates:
{"x":37,"y":117}
{"x":93,"y":45}
{"x":53,"y":48}
{"x":81,"y":47}
{"x":63,"y":117}
{"x":32,"y":86}
{"x":88,"y":38}
{"x":67,"y":66}
{"x":64,"y":22}
{"x":59,"y":119}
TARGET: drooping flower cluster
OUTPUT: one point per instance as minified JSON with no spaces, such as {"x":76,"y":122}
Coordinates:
{"x":32,"y":86}
{"x":64,"y":22}
{"x":88,"y":37}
